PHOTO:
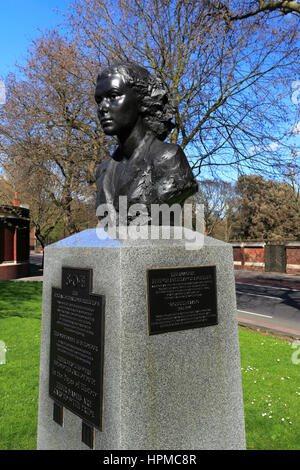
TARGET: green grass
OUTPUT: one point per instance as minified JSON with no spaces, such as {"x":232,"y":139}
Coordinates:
{"x":20,"y":325}
{"x":271,"y":391}
{"x":271,"y":381}
{"x":20,"y":299}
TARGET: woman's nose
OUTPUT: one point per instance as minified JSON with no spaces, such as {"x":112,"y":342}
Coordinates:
{"x":103,"y":106}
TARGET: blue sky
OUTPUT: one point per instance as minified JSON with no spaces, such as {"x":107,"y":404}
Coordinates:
{"x":19,"y":24}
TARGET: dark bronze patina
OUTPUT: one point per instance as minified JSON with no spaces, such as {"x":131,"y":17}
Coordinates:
{"x":133,"y":106}
{"x":181,"y":298}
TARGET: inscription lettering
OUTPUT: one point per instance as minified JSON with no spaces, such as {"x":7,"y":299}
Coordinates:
{"x":181,"y":298}
{"x":77,"y":346}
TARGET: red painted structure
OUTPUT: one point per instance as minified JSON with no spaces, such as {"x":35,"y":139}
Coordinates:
{"x":14,"y":241}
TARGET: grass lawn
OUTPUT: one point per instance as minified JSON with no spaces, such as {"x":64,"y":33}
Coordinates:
{"x":271,"y":391}
{"x":271,"y":381}
{"x":20,"y":326}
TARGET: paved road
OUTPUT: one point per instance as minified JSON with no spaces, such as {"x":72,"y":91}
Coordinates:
{"x":272,"y":304}
{"x":267,"y":300}
{"x":35,"y":258}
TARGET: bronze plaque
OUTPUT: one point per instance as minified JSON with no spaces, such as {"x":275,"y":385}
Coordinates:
{"x":77,"y":346}
{"x":181,"y":298}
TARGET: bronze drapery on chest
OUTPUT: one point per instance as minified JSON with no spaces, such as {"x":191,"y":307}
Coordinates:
{"x":155,"y":174}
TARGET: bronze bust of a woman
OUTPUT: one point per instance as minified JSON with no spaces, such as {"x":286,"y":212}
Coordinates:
{"x":133,"y":106}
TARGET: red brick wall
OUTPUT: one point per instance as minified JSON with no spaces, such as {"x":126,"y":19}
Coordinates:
{"x":293,"y":259}
{"x":32,"y":240}
{"x":247,"y":257}
{"x":252,"y":257}
{"x":13,"y":271}
{"x":238,"y":257}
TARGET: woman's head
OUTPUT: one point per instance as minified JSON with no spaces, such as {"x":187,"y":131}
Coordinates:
{"x":152,"y":101}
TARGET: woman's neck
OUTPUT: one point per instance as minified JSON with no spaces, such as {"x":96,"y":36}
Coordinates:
{"x":129,"y":142}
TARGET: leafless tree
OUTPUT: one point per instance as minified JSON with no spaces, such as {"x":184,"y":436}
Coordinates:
{"x":228,"y":78}
{"x":49,"y":131}
{"x":234,"y":11}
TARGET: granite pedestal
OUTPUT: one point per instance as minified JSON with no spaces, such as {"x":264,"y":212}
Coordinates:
{"x":177,"y":390}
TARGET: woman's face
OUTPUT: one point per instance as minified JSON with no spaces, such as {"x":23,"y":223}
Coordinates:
{"x":117,"y":105}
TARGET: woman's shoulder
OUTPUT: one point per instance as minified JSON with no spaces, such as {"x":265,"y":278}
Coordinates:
{"x":102,"y":167}
{"x":164,"y":152}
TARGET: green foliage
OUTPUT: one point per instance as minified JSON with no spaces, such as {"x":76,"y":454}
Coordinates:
{"x":267,"y":209}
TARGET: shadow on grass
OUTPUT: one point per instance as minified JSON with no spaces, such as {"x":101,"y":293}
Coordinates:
{"x":20,"y":299}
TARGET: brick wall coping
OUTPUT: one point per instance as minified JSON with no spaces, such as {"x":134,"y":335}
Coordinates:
{"x":248,"y":244}
{"x":261,"y":244}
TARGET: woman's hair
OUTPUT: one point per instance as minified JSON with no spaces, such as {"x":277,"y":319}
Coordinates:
{"x":156,"y":108}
